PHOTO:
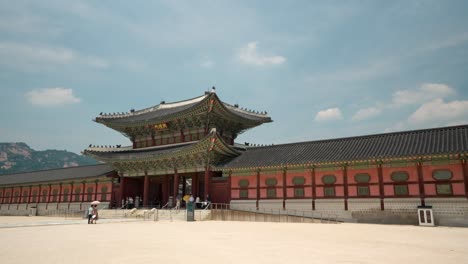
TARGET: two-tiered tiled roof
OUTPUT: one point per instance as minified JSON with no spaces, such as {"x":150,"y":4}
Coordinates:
{"x":436,"y":141}
{"x":169,"y":111}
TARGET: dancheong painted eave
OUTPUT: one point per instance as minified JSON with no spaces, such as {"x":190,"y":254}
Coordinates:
{"x":166,"y":112}
{"x":211,"y":142}
{"x":440,"y":142}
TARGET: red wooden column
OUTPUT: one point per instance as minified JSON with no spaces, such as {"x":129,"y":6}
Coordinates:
{"x":21,"y":195}
{"x":465,"y":175}
{"x":175,"y":190}
{"x":165,"y":190}
{"x":40,"y":194}
{"x":95,"y":190}
{"x":258,"y":189}
{"x":230,"y":186}
{"x":422,"y":194}
{"x":345,"y":183}
{"x":207,"y":181}
{"x":314,"y":186}
{"x":71,"y":195}
{"x":3,"y":195}
{"x":60,"y":195}
{"x":381,"y":186}
{"x":146,"y":190}
{"x":30,"y":193}
{"x":49,"y":194}
{"x":195,"y":184}
{"x":122,"y":190}
{"x":285,"y":193}
{"x":83,"y":191}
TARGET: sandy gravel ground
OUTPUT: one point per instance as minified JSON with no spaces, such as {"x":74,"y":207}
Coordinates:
{"x":232,"y":242}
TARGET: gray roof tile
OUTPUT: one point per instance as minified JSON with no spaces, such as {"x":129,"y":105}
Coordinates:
{"x":52,"y":175}
{"x":444,"y":140}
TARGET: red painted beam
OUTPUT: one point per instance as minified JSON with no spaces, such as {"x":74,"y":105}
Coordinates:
{"x":345,"y":182}
{"x":465,"y":175}
{"x":421,"y":183}
{"x":207,"y":182}
{"x":146,"y":190}
{"x":314,"y":193}
{"x":381,"y":187}
{"x":176,"y":185}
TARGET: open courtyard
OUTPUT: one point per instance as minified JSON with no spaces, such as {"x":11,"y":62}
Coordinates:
{"x":57,"y":240}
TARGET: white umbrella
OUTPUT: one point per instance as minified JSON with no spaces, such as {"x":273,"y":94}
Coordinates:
{"x":95,"y":203}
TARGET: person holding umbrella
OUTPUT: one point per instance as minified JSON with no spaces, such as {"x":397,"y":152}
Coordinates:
{"x":95,"y":214}
{"x":90,"y":213}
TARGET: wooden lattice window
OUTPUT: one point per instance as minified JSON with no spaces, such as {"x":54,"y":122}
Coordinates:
{"x":103,"y":193}
{"x":77,"y":194}
{"x":329,"y":188}
{"x":400,"y":178}
{"x":271,"y":193}
{"x":299,"y":192}
{"x":244,"y":183}
{"x":44,"y":196}
{"x":329,"y":191}
{"x":34,"y":196}
{"x":329,"y":179}
{"x":244,"y":194}
{"x":363,"y":184}
{"x":400,"y":189}
{"x":16,"y":197}
{"x":362,"y":178}
{"x":54,"y":195}
{"x":89,"y":195}
{"x":363,"y":190}
{"x":443,"y":185}
{"x":299,"y":182}
{"x":442,"y":175}
{"x":25,"y":197}
{"x":65,"y":195}
{"x":444,"y":188}
{"x":271,"y":189}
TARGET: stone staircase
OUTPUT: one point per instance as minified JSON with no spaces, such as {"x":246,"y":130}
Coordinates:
{"x":153,"y":214}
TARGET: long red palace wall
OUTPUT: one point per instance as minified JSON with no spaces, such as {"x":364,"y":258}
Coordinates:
{"x":58,"y":193}
{"x":429,"y":183}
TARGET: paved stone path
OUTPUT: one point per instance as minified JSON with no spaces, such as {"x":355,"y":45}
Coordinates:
{"x":55,"y":221}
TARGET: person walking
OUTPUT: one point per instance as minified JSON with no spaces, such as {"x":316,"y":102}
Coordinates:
{"x":95,"y":215}
{"x":90,"y":214}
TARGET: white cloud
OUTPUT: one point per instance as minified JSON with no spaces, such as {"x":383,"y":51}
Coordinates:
{"x":329,"y":114}
{"x":438,"y":112}
{"x":366,"y":113}
{"x":426,"y":92}
{"x":448,"y":42}
{"x":250,"y":55}
{"x":38,"y":57}
{"x":207,"y":64}
{"x":52,"y":97}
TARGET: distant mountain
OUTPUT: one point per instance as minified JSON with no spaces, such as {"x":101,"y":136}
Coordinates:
{"x":19,"y":157}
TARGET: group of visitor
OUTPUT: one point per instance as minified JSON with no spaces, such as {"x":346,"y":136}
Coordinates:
{"x":130,"y":202}
{"x":189,"y":198}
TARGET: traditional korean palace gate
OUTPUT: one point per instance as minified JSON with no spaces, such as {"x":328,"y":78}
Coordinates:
{"x":175,"y":147}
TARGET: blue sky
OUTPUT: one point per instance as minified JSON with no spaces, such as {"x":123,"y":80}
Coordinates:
{"x":322,"y":69}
